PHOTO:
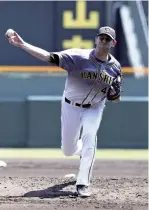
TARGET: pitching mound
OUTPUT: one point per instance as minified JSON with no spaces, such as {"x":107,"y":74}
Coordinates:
{"x":23,"y":185}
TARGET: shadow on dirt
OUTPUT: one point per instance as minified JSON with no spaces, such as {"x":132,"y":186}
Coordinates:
{"x":53,"y":192}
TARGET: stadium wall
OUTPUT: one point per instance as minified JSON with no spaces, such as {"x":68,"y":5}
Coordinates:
{"x":36,"y":123}
{"x":30,"y":113}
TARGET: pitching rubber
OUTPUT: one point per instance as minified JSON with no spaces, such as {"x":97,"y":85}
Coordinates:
{"x":3,"y":164}
{"x":68,"y":176}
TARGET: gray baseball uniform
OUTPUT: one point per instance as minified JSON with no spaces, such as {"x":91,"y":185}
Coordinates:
{"x":83,"y":103}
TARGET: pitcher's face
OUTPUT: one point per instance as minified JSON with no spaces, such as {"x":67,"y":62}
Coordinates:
{"x":104,"y":42}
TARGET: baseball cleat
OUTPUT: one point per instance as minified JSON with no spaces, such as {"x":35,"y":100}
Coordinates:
{"x":83,"y":191}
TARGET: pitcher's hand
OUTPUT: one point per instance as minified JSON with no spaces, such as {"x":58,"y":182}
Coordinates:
{"x":15,"y":40}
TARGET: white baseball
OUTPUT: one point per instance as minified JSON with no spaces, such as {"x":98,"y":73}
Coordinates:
{"x":10,"y":32}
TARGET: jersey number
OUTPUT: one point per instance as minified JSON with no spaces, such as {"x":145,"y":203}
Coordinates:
{"x":104,"y":90}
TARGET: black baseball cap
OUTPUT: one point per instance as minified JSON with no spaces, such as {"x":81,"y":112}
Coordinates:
{"x":108,"y":31}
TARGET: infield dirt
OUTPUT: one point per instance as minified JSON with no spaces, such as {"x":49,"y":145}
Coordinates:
{"x":40,"y":184}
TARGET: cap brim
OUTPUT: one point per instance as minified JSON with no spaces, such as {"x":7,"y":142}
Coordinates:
{"x":107,"y":35}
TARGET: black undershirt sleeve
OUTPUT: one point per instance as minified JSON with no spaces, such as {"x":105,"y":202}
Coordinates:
{"x":54,"y":58}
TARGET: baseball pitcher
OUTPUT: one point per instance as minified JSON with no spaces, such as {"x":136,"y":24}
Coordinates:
{"x":94,"y":76}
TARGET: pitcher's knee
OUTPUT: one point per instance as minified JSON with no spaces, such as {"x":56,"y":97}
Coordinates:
{"x":67,"y":152}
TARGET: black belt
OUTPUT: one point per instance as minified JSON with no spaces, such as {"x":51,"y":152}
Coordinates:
{"x":76,"y":104}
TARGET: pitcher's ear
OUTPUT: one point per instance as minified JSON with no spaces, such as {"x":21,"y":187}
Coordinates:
{"x":114,"y":43}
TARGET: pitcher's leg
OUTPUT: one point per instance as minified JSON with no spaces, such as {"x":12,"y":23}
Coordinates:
{"x":91,"y":120}
{"x":87,"y":159}
{"x":70,"y":130}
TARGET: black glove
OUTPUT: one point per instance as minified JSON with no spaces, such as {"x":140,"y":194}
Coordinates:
{"x":114,"y":91}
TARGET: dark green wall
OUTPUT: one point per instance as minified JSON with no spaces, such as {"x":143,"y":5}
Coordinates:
{"x":13,"y":119}
{"x":26,"y":123}
{"x":22,"y":85}
{"x":37,"y":124}
{"x":124,"y":125}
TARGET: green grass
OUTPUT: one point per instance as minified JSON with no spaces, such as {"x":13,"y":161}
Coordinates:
{"x":109,"y":154}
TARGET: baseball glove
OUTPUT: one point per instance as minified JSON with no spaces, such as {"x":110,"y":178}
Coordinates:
{"x":114,"y":91}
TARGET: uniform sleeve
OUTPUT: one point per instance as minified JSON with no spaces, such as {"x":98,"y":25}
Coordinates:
{"x":69,"y":59}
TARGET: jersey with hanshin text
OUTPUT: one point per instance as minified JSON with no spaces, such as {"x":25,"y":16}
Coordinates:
{"x":88,"y":78}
